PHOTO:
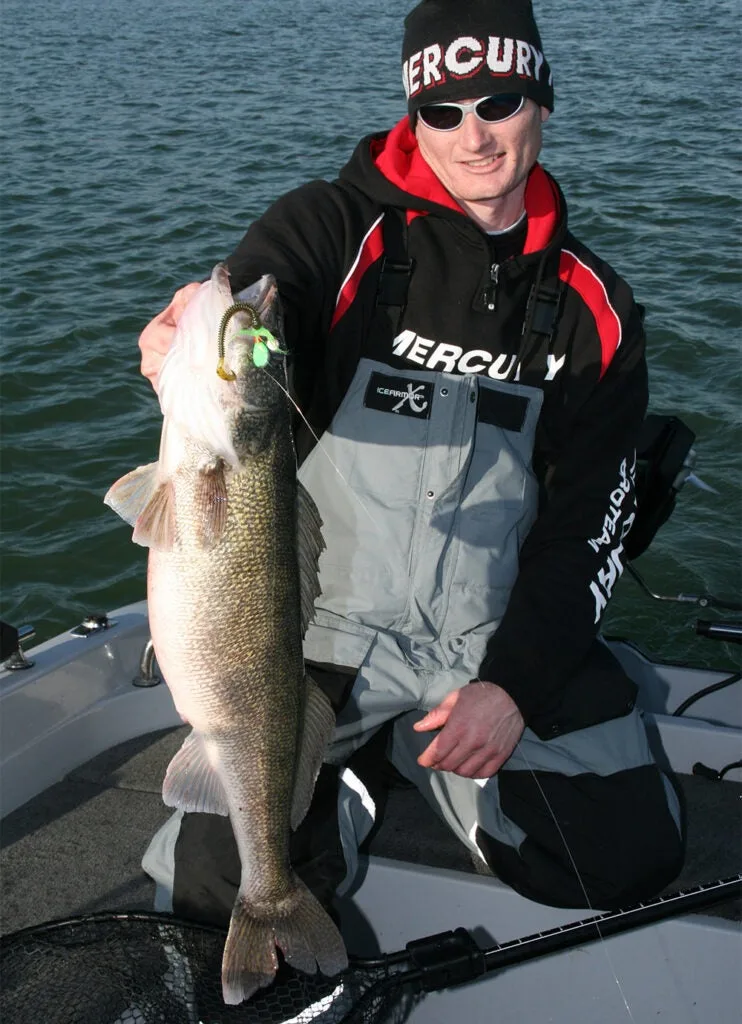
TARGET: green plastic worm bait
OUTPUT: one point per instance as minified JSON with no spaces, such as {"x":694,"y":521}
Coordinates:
{"x":237,"y":307}
{"x":263,"y":341}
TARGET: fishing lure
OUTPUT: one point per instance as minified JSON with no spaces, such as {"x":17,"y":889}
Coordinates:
{"x":264,"y":342}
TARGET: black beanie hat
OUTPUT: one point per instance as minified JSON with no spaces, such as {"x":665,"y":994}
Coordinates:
{"x":454,"y":49}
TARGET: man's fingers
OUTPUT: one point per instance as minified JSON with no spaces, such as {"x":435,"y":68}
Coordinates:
{"x":172,"y":313}
{"x":430,"y":756}
{"x":434,"y":719}
{"x":154,"y":342}
{"x":480,"y":766}
{"x":438,"y":717}
{"x":437,"y":751}
{"x":181,"y":299}
{"x":157,"y":337}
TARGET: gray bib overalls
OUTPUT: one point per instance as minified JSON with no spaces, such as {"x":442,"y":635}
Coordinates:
{"x":426,"y":492}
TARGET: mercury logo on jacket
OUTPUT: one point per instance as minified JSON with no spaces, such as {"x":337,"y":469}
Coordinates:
{"x":436,"y":355}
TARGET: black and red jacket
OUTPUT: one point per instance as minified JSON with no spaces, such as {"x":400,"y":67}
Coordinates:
{"x":324,"y":244}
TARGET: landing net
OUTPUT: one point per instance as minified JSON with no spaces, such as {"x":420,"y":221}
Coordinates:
{"x":140,"y":968}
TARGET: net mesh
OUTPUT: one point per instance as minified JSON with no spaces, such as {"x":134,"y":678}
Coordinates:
{"x":152,"y":969}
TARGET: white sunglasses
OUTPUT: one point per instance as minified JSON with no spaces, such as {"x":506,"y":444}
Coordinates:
{"x":447,"y":117}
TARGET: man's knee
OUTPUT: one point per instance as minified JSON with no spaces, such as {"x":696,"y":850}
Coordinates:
{"x":207,"y":869}
{"x":591,"y":841}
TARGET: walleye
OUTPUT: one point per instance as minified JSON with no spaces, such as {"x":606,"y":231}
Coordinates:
{"x":232,"y":578}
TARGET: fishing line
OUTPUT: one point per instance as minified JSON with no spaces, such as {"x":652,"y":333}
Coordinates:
{"x":325,"y":452}
{"x":578,"y":876}
{"x":265,"y":343}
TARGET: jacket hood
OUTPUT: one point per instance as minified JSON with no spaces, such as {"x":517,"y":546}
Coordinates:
{"x":390,"y":169}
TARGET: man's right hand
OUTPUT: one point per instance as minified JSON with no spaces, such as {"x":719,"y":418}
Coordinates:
{"x":157,"y":336}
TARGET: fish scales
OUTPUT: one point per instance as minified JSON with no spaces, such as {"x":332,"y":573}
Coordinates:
{"x":220,"y":513}
{"x":231,"y":621}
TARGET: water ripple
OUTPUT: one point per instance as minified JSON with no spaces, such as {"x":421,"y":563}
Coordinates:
{"x":134,"y":156}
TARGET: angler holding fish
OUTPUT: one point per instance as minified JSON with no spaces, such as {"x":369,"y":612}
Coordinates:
{"x":476,"y":378}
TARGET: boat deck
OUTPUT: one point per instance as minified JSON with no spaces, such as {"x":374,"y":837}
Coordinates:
{"x":77,"y":847}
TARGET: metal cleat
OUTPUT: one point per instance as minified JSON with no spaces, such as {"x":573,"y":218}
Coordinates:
{"x":12,"y":650}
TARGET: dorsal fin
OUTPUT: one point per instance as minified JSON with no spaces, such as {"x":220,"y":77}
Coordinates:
{"x":310,"y":545}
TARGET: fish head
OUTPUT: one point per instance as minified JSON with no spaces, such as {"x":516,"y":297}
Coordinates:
{"x":254,"y":356}
{"x":254,"y":348}
{"x":226,"y":370}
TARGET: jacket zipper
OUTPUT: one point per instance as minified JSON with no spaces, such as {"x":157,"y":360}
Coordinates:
{"x":490,"y":292}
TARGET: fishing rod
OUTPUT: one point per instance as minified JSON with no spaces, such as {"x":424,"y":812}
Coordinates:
{"x":172,"y":968}
{"x":703,"y":600}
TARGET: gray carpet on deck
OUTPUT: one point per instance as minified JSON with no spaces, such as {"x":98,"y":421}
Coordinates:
{"x":77,"y":848}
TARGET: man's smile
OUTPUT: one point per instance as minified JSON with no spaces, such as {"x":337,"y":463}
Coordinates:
{"x":483,"y":162}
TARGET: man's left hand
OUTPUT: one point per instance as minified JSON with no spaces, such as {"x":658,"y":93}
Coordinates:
{"x":480,"y":726}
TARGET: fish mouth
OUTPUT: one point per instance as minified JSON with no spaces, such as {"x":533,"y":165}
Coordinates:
{"x":263,"y":296}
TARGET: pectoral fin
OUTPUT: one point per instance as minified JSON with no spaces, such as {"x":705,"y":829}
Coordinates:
{"x":129,"y":496}
{"x":155,"y":527}
{"x":319,"y":721}
{"x":191,"y":782}
{"x":146,"y":504}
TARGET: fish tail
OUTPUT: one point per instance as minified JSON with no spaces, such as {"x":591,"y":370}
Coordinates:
{"x":299,"y":927}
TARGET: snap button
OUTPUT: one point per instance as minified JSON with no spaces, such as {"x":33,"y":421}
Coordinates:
{"x":444,"y":391}
{"x":431,"y":494}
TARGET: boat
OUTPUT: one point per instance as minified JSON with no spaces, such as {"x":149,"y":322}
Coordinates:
{"x":87,"y":728}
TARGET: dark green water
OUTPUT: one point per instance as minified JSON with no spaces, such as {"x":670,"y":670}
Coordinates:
{"x":139,"y":139}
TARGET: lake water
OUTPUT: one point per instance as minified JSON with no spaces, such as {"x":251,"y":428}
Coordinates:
{"x":138,"y":141}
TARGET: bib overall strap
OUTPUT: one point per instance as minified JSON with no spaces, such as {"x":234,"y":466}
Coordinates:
{"x":541,"y":321}
{"x":394,"y":280}
{"x":545,"y":304}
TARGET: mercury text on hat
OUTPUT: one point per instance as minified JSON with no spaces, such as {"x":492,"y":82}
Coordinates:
{"x":465,"y":56}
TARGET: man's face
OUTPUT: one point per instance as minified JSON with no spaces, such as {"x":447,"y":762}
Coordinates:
{"x":479,"y":162}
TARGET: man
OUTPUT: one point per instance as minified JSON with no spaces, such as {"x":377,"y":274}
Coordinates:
{"x":477,"y":378}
